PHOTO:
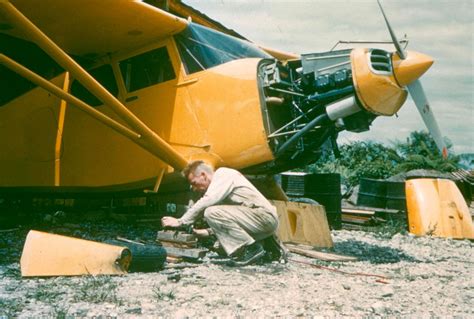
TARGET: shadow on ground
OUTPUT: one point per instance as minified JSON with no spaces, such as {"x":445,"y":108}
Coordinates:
{"x":374,"y":254}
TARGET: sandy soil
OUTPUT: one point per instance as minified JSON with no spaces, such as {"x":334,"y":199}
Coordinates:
{"x":396,"y":276}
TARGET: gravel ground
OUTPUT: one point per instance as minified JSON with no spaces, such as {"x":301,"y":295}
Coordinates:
{"x":397,"y":275}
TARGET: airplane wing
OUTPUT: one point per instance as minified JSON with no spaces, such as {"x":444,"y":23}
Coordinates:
{"x":93,"y":28}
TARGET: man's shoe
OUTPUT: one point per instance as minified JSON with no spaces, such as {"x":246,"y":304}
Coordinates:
{"x":275,"y":250}
{"x":251,"y":254}
{"x":219,"y":257}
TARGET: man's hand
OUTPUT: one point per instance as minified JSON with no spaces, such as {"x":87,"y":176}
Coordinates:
{"x":169,"y":221}
{"x":202,"y":233}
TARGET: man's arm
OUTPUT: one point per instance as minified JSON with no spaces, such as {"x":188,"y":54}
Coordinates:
{"x":221,"y":186}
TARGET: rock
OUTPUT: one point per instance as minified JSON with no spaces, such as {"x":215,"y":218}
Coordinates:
{"x":174,"y":277}
{"x":387,"y":292}
{"x":80,"y":312}
{"x":136,"y":311}
{"x":426,"y":298}
{"x":378,"y":307}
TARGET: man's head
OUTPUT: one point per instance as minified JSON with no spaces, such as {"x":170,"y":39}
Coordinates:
{"x":199,"y":175}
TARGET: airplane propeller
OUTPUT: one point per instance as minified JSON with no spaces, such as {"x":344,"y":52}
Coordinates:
{"x":407,"y":72}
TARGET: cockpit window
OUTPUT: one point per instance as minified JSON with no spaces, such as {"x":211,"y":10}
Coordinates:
{"x":201,"y":48}
{"x":147,"y":69}
{"x":13,"y":85}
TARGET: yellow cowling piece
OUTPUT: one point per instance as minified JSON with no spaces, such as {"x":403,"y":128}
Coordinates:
{"x":436,"y":207}
{"x":376,"y":92}
{"x":303,"y":223}
{"x":47,"y":254}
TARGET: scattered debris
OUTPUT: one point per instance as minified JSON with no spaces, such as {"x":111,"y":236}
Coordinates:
{"x":414,"y":265}
{"x":381,"y":279}
{"x":180,"y":245}
{"x":308,"y":251}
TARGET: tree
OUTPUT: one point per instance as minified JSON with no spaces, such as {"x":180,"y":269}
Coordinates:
{"x":420,"y":152}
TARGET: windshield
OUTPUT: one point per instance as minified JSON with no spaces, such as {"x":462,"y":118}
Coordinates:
{"x":201,"y":48}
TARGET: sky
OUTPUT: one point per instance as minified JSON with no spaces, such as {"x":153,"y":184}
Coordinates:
{"x":439,"y":28}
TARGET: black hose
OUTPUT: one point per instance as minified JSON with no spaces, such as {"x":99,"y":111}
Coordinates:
{"x":320,"y":97}
{"x":316,"y":121}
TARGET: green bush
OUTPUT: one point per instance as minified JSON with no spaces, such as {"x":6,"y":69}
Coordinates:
{"x":375,"y":160}
{"x":359,"y":159}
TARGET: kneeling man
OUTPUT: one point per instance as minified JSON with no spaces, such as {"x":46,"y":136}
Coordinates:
{"x":237,"y":213}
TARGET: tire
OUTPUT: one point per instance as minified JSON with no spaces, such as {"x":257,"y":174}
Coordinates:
{"x":145,"y":258}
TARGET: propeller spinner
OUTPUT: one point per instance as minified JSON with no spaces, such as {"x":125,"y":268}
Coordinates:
{"x":408,"y":68}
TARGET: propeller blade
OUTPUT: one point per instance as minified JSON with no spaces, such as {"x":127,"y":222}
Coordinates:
{"x":418,"y":95}
{"x":406,"y":74}
{"x":400,"y":52}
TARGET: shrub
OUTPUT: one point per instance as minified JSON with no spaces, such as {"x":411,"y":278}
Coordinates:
{"x":375,"y":160}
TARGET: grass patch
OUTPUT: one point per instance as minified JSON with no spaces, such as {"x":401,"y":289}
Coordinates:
{"x":59,"y":313}
{"x":12,"y":271}
{"x":390,"y":228}
{"x":48,"y":293}
{"x":97,"y":290}
{"x":163,"y":295}
{"x":10,"y":308}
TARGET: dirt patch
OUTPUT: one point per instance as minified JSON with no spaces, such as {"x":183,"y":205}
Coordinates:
{"x":396,"y":276}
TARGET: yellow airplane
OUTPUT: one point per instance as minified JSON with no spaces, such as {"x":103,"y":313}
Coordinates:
{"x":117,"y":94}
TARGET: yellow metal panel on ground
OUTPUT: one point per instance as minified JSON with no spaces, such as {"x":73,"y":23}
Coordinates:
{"x":47,"y":254}
{"x":303,"y":224}
{"x":436,"y":207}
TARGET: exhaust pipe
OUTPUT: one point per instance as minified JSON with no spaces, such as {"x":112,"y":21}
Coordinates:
{"x":334,"y":111}
{"x":342,"y":108}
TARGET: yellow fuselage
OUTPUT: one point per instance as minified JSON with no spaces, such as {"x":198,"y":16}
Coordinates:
{"x":213,"y":114}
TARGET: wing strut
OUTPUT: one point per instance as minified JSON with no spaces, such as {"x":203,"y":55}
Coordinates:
{"x":155,"y":144}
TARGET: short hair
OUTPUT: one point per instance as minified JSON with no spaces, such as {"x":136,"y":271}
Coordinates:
{"x":196,"y":167}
